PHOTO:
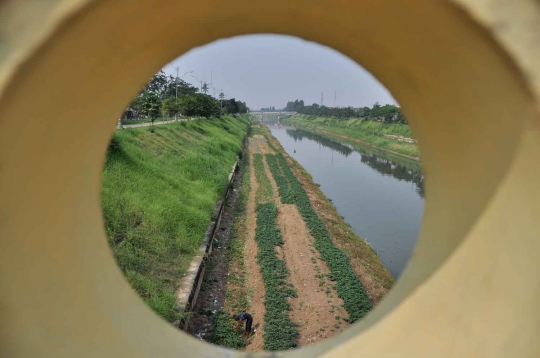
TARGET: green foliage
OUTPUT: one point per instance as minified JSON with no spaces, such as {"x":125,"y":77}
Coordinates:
{"x":388,"y":113}
{"x":265,"y":193}
{"x":224,"y":333}
{"x":282,"y":183}
{"x":161,"y":93}
{"x":348,"y":285}
{"x":232,"y":106}
{"x":279,"y":331}
{"x":172,"y":106}
{"x":150,"y":104}
{"x":201,"y":105}
{"x":159,"y":191}
{"x":371,"y":132}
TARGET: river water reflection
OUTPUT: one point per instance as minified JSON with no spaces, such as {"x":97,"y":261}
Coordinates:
{"x":380,"y":196}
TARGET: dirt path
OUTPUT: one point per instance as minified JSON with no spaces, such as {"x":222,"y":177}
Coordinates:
{"x":317,"y":308}
{"x":255,"y":284}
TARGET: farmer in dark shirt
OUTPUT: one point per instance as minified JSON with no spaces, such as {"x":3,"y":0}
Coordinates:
{"x":244,"y":316}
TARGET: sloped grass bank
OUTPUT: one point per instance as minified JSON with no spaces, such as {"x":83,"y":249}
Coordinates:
{"x":159,"y":190}
{"x":367,"y":131}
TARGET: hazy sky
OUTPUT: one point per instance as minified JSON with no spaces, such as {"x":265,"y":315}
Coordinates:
{"x":269,"y":70}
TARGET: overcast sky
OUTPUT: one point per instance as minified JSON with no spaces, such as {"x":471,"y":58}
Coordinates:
{"x":269,"y":70}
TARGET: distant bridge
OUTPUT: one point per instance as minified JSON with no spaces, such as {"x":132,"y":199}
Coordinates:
{"x":273,"y":112}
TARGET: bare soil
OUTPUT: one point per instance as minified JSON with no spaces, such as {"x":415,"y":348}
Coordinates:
{"x":254,"y":279}
{"x":317,"y":305}
{"x":317,"y":308}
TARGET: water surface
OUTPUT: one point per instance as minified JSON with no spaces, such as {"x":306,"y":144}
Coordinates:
{"x":380,"y":196}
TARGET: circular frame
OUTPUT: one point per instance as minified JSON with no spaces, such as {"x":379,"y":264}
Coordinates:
{"x":464,"y":73}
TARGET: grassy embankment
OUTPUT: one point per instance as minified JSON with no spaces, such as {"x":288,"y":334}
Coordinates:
{"x":366,"y":131}
{"x":365,"y":262}
{"x":159,"y":191}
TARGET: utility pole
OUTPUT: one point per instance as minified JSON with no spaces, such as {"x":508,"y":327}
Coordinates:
{"x":176,"y":103}
{"x":221,"y":99}
{"x":322,"y":98}
{"x":335,"y":96}
{"x":197,"y":80}
{"x":176,"y":83}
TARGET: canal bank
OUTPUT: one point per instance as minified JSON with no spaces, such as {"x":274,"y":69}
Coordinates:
{"x":381,"y":196}
{"x":393,"y":138}
{"x":294,"y":263}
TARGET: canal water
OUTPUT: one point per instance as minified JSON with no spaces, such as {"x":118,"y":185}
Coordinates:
{"x":379,"y":195}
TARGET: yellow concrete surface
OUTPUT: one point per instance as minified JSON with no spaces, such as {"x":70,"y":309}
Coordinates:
{"x":466,"y":72}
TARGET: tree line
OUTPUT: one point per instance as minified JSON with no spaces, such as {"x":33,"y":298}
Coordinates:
{"x":167,"y":96}
{"x":387,"y":113}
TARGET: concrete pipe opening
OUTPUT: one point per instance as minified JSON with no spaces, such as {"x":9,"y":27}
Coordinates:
{"x":467,"y":290}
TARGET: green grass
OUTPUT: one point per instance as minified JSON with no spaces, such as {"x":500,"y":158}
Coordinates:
{"x":265,"y":193}
{"x":369,"y":131}
{"x":282,"y":182}
{"x":159,"y":191}
{"x":279,"y":331}
{"x":348,"y":286}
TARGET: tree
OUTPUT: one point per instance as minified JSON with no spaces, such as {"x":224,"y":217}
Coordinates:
{"x":205,"y":88}
{"x":172,"y":106}
{"x":242,"y":107}
{"x":201,"y":105}
{"x":231,"y":106}
{"x":150,"y":104}
{"x":157,"y":84}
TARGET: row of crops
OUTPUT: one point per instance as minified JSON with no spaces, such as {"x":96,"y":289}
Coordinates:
{"x":264,"y":193}
{"x":282,"y":182}
{"x":348,"y":285}
{"x":279,"y":330}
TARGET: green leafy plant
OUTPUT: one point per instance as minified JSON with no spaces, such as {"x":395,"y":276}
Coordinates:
{"x":282,"y":182}
{"x":348,"y":285}
{"x":224,"y":333}
{"x":264,"y":193}
{"x":279,"y":331}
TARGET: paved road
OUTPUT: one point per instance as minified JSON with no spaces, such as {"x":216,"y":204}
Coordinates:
{"x":125,"y":126}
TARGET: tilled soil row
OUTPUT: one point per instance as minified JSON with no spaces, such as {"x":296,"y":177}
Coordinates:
{"x":317,"y":309}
